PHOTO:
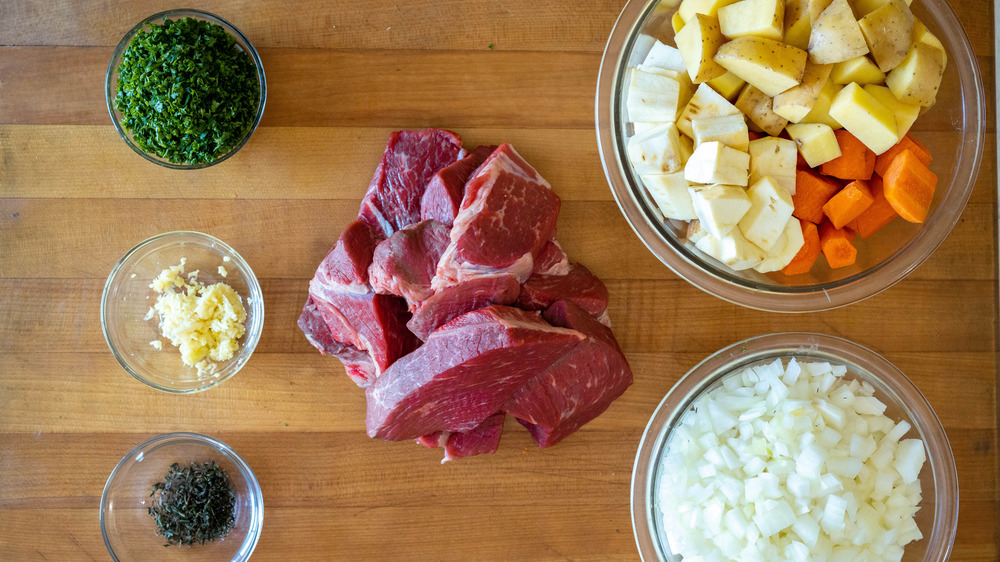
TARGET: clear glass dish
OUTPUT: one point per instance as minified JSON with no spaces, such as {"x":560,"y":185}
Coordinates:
{"x":130,"y":531}
{"x":111,"y":83}
{"x":127,"y":298}
{"x":953,"y":129}
{"x":938,"y":515}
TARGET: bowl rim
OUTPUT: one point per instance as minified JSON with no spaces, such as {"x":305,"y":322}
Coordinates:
{"x":110,"y":85}
{"x":252,"y":333}
{"x":253,"y":485}
{"x":888,"y":379}
{"x":717,"y":280}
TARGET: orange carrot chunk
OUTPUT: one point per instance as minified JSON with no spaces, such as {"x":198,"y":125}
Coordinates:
{"x":909,"y":186}
{"x":812,"y":191}
{"x":876,"y":216}
{"x":906,"y":143}
{"x":807,"y":254}
{"x":836,"y":245}
{"x":848,"y":203}
{"x":856,"y":161}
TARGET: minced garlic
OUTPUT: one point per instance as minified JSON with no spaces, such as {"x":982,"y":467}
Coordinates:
{"x":204,"y":321}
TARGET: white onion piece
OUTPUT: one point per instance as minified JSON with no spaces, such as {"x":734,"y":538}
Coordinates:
{"x":790,"y":462}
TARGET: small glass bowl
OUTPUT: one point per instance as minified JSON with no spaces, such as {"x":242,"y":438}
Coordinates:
{"x":938,"y":515}
{"x":954,"y":130}
{"x":130,"y":531}
{"x":111,"y":83}
{"x":127,"y":298}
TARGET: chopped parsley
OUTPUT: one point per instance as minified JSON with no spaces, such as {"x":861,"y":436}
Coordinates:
{"x":186,"y":92}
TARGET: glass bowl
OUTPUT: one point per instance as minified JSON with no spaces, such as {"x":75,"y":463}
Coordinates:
{"x":127,"y":298}
{"x":938,"y":515}
{"x":111,"y":83}
{"x":130,"y":531}
{"x":953,"y":129}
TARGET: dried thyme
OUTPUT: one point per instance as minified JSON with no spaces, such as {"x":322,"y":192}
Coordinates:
{"x":193,"y":504}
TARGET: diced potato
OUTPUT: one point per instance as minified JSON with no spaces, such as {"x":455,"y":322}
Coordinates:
{"x":816,"y":141}
{"x":757,"y":106}
{"x":705,"y":103}
{"x":864,"y":7}
{"x":820,"y":112}
{"x":796,"y":103}
{"x":769,"y":65}
{"x":698,"y":43}
{"x":770,"y":208}
{"x":784,"y":250}
{"x":859,"y":69}
{"x":656,"y":96}
{"x":714,"y":162}
{"x":689,"y":8}
{"x":860,"y":113}
{"x":774,"y":157}
{"x":730,"y":130}
{"x":720,"y":207}
{"x":905,"y":113}
{"x":888,"y":31}
{"x":762,"y":18}
{"x":836,"y":36}
{"x":917,"y":79}
{"x":677,"y":22}
{"x":664,"y":56}
{"x":797,"y":23}
{"x":656,"y":151}
{"x":728,"y":85}
{"x":816,"y":8}
{"x":672,"y":195}
{"x":922,"y":35}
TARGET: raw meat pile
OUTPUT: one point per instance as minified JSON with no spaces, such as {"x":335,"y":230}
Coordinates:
{"x":450,"y":301}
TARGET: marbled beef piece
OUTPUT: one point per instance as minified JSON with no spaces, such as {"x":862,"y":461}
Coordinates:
{"x":551,"y":261}
{"x":484,"y":439}
{"x":443,"y":196}
{"x":358,"y":363}
{"x":579,"y":286}
{"x":405,"y":262}
{"x":452,"y":302}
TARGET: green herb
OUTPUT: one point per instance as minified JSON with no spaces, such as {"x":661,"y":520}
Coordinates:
{"x":491,"y":46}
{"x":194,"y":504}
{"x":186,"y":92}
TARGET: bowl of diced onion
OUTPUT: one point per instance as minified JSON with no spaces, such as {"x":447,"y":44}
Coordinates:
{"x":794,"y":446}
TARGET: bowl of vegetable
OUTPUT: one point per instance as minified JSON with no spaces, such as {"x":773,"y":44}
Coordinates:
{"x":185,"y":89}
{"x":785,"y":160}
{"x":795,"y":446}
{"x":182,"y":312}
{"x":186,"y":491}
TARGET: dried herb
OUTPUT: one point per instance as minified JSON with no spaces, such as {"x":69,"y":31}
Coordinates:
{"x":186,"y":92}
{"x":194,"y":504}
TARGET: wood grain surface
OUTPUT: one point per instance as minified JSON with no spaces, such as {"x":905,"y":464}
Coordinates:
{"x":341,"y":76}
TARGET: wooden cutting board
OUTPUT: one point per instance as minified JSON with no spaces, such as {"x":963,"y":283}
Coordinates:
{"x":341,"y":76}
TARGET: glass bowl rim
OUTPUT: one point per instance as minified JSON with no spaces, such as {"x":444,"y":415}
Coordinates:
{"x":253,"y":485}
{"x":752,"y":350}
{"x":253,"y":332}
{"x":774,"y":297}
{"x":110,"y":88}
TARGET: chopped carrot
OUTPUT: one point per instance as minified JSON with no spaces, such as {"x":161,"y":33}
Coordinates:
{"x":836,"y":245}
{"x":812,"y":191}
{"x":800,"y":162}
{"x":879,"y":214}
{"x":906,"y":143}
{"x":807,"y":254}
{"x":848,"y":203}
{"x":909,"y":186}
{"x":856,"y":161}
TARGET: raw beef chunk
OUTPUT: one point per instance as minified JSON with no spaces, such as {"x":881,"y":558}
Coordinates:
{"x":578,"y":286}
{"x":357,"y":363}
{"x":443,"y":196}
{"x":345,"y":267}
{"x":507,"y":218}
{"x":456,"y":300}
{"x":464,"y":373}
{"x":552,"y":260}
{"x":410,"y":160}
{"x":404,"y":263}
{"x":578,"y":387}
{"x":484,"y":439}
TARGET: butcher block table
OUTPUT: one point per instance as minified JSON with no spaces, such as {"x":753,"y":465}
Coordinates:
{"x":340,"y":77}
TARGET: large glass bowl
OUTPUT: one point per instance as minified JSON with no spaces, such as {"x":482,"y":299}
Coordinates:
{"x":953,"y":129}
{"x":938,"y":515}
{"x":130,"y":531}
{"x":127,"y":298}
{"x":111,"y":83}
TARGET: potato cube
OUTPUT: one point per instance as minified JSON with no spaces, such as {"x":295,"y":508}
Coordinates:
{"x":705,"y":103}
{"x":698,"y":42}
{"x":865,"y":117}
{"x":656,"y":151}
{"x":770,"y":208}
{"x":817,"y":143}
{"x":672,"y":195}
{"x":714,"y":162}
{"x":769,"y":65}
{"x":888,"y":30}
{"x":720,"y":207}
{"x":677,"y":22}
{"x":916,"y":80}
{"x":689,"y":8}
{"x":906,"y":113}
{"x":859,"y":69}
{"x":728,"y":85}
{"x":836,"y":36}
{"x":762,"y":18}
{"x":922,"y":35}
{"x":820,"y":112}
{"x":757,"y":106}
{"x":797,"y":23}
{"x":776,"y":158}
{"x":796,"y":103}
{"x":730,"y":130}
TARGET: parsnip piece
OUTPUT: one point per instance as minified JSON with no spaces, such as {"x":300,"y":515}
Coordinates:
{"x":705,"y":103}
